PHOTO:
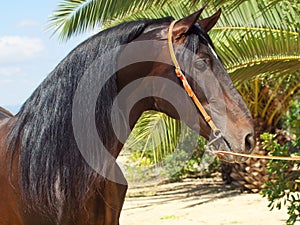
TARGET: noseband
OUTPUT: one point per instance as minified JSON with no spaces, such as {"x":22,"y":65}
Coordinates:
{"x":216,"y":132}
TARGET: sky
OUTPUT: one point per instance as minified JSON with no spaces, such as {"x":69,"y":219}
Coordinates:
{"x":28,"y":50}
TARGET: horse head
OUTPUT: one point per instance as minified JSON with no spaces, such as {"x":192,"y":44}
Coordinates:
{"x":204,"y":73}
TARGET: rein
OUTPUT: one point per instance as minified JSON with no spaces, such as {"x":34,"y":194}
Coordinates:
{"x":256,"y":156}
{"x":216,"y":132}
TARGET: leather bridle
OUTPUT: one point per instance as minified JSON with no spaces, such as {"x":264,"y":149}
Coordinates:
{"x":216,"y":132}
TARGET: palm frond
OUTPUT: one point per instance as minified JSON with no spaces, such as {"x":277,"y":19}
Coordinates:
{"x":269,"y":96}
{"x":253,"y":42}
{"x":254,"y":54}
{"x":72,"y":17}
{"x":155,"y":134}
{"x":77,"y":16}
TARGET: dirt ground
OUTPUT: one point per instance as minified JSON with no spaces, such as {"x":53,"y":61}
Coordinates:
{"x":202,"y":201}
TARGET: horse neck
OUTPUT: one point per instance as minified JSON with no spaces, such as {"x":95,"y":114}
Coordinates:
{"x":140,"y":59}
{"x":130,"y":86}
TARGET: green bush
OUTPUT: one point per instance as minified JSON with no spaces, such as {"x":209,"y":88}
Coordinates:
{"x":186,"y":160}
{"x":283,"y":186}
{"x":196,"y":163}
{"x":292,"y":119}
{"x":201,"y":163}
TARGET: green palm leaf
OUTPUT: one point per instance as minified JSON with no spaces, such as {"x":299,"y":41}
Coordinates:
{"x":155,"y":134}
{"x":264,"y":45}
{"x":77,"y":16}
{"x":258,"y":53}
{"x":272,"y":96}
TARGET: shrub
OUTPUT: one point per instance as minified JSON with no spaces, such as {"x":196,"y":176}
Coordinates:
{"x":283,"y":186}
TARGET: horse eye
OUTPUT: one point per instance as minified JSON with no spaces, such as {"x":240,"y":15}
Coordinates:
{"x":201,"y":64}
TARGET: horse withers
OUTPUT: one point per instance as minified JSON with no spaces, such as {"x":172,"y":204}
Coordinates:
{"x":57,"y":163}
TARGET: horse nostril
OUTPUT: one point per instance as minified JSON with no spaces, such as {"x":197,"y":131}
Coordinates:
{"x":249,"y":142}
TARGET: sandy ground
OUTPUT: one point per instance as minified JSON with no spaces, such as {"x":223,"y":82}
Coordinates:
{"x":202,"y":201}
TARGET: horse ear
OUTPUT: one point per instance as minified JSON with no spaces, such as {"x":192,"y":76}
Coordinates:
{"x":209,"y":22}
{"x":182,"y":26}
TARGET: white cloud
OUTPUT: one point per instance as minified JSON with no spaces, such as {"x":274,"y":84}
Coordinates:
{"x":9,"y":75}
{"x":19,"y":48}
{"x":15,"y":86}
{"x":27,"y":23}
{"x":10,"y":71}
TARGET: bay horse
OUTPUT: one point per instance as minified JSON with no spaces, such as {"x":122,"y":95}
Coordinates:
{"x":45,"y":176}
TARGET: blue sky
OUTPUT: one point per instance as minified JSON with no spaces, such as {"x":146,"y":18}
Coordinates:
{"x":28,"y":53}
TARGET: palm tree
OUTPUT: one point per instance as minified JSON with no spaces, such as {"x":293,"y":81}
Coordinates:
{"x":258,"y":42}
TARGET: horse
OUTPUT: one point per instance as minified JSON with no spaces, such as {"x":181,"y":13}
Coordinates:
{"x":53,"y":169}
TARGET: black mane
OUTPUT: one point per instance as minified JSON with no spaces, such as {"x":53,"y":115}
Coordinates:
{"x":52,"y":169}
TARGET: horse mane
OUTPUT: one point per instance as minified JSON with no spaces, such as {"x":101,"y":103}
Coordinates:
{"x":53,"y":173}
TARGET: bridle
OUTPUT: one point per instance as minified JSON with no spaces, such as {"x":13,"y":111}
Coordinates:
{"x":216,"y":132}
